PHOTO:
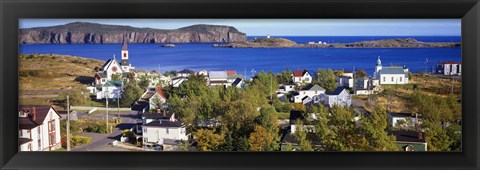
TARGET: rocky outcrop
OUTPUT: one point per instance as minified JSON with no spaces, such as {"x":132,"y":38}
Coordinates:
{"x":84,"y":32}
{"x":389,"y":43}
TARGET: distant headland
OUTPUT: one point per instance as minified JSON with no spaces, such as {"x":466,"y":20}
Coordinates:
{"x":86,"y":33}
{"x":387,"y":43}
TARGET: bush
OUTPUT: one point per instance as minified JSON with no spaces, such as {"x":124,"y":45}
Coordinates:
{"x":78,"y":140}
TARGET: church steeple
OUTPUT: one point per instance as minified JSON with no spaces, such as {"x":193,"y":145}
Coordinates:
{"x":124,"y":44}
{"x":379,"y":62}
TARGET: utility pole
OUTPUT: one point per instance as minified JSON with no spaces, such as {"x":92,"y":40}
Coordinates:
{"x":118,"y":105}
{"x":68,"y":122}
{"x":106,"y":114}
{"x":353,"y":77}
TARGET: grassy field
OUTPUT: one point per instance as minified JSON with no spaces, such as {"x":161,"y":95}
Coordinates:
{"x":53,"y":72}
{"x":397,"y":96}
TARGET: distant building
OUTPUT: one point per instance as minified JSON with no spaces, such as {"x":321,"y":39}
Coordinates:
{"x":239,"y":83}
{"x":123,"y":69}
{"x":185,"y":73}
{"x":110,"y":89}
{"x":161,"y":128}
{"x":391,"y":75}
{"x":410,"y":140}
{"x":38,"y":128}
{"x":305,"y":95}
{"x":340,"y":97}
{"x":218,"y":78}
{"x":154,"y":96}
{"x":409,"y":119}
{"x":345,"y":80}
{"x":449,"y":68}
{"x":301,"y":76}
{"x":177,"y":81}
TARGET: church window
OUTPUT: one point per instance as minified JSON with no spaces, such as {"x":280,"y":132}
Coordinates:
{"x":400,"y":79}
{"x":383,"y":79}
{"x":392,"y":78}
{"x":125,"y":55}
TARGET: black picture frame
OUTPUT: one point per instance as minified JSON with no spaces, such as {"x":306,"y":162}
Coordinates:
{"x":12,"y":11}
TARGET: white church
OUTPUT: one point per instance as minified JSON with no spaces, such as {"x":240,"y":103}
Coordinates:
{"x":391,"y":74}
{"x":123,"y":68}
{"x":105,"y":86}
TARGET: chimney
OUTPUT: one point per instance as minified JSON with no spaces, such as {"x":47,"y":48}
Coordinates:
{"x":420,"y":135}
{"x":34,"y":113}
{"x":158,"y":110}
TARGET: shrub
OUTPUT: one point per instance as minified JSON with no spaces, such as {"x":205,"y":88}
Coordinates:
{"x":78,"y":140}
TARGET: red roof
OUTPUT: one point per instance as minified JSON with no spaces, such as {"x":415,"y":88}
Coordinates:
{"x":299,"y":73}
{"x":160,"y":92}
{"x":449,"y":62}
{"x":230,"y":72}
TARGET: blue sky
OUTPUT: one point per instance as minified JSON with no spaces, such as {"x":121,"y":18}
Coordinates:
{"x":292,"y":27}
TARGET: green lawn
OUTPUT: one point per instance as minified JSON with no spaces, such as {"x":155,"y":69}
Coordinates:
{"x":37,"y":101}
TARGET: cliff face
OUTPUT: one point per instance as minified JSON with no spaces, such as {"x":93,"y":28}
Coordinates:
{"x":81,"y":32}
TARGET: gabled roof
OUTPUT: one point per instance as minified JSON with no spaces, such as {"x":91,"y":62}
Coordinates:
{"x":337,"y":91}
{"x":181,"y":77}
{"x":157,"y":116}
{"x":41,"y":112}
{"x":231,"y":72}
{"x":159,"y":91}
{"x":237,"y":81}
{"x":407,"y":136}
{"x":313,"y":87}
{"x":167,"y":124}
{"x":217,"y":75}
{"x":102,"y":75}
{"x":186,"y":71}
{"x":392,"y":70}
{"x":299,"y":73}
{"x":106,"y":63}
{"x":111,"y":83}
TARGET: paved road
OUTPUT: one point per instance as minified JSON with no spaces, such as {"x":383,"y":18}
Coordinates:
{"x":102,"y":142}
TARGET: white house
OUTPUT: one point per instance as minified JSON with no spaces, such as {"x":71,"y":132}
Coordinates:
{"x":38,"y":128}
{"x":218,"y":78}
{"x":409,"y":119}
{"x":346,"y":80}
{"x":238,"y":83}
{"x":449,"y":68}
{"x":111,"y":89}
{"x":339,"y":97}
{"x":203,"y":72}
{"x":391,"y":75}
{"x":185,"y":73}
{"x":154,"y":96}
{"x":301,"y":76}
{"x":177,"y":81}
{"x":159,"y":127}
{"x":308,"y":93}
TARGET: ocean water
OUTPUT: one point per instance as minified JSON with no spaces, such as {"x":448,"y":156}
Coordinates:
{"x":198,"y":56}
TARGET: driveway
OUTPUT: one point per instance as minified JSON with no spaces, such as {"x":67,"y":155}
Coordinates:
{"x":102,"y":142}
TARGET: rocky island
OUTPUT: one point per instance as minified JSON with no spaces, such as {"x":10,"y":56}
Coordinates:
{"x":85,"y":32}
{"x":388,"y":43}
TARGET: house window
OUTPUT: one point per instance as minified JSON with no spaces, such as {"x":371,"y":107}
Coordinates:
{"x":307,"y":79}
{"x":400,"y":79}
{"x":103,"y":80}
{"x":392,"y":78}
{"x":383,"y":79}
{"x":20,"y":133}
{"x":145,"y":140}
{"x":144,"y":130}
{"x":39,"y":138}
{"x":167,"y":131}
